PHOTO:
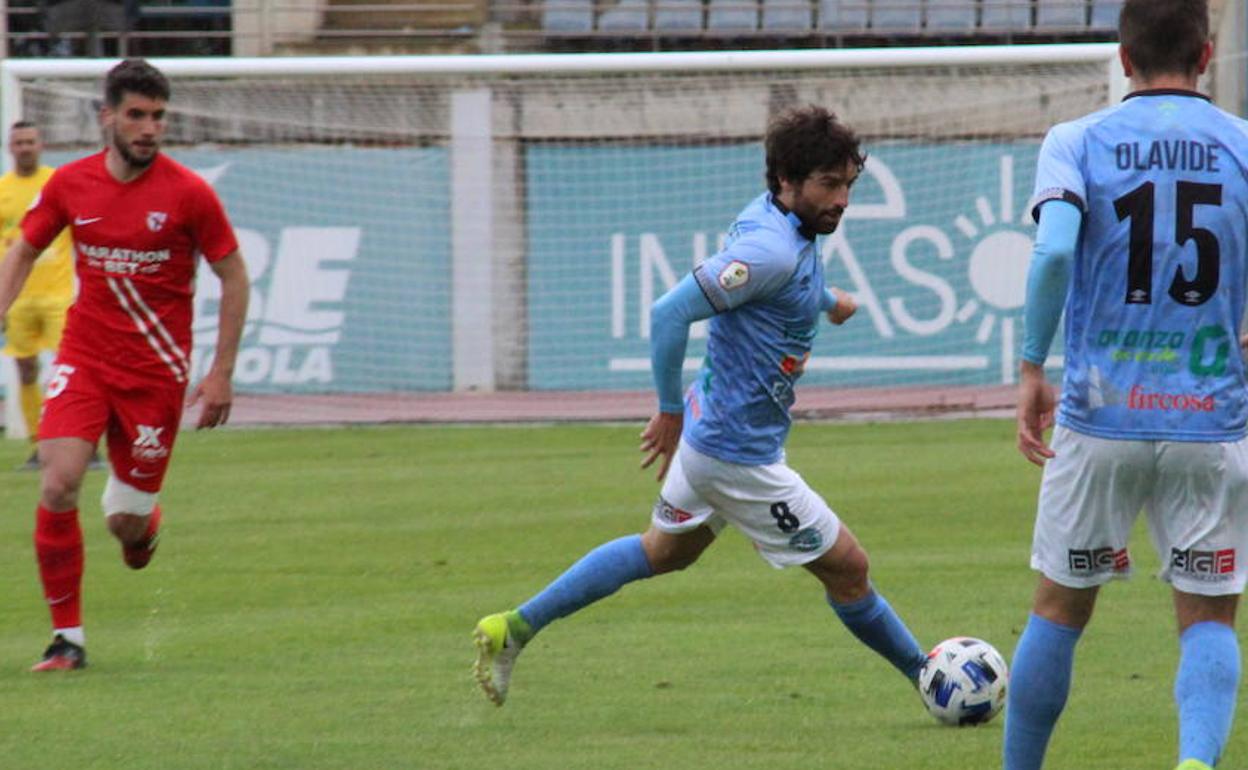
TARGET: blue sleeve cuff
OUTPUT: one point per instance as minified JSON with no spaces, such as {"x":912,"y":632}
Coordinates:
{"x":670,"y":318}
{"x":1048,"y":277}
{"x":829,"y":300}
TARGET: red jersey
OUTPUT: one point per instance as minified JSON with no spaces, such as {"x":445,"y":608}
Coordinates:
{"x":136,"y":246}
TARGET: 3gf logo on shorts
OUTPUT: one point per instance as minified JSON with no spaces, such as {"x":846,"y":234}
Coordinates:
{"x":665,"y":511}
{"x":147,"y":446}
{"x":1209,"y":566}
{"x":1095,"y":560}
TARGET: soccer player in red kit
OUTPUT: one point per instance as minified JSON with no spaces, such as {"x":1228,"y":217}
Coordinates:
{"x":139,"y":223}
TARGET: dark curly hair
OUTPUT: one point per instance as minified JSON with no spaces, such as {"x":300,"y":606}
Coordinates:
{"x":135,"y":76}
{"x":802,"y":140}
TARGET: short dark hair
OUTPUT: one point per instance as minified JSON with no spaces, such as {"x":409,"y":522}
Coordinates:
{"x":1164,"y":37}
{"x":23,"y":124}
{"x":803,"y":140}
{"x":135,"y":76}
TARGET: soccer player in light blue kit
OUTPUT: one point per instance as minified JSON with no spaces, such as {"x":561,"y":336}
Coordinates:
{"x":1142,"y":215}
{"x":721,"y":448}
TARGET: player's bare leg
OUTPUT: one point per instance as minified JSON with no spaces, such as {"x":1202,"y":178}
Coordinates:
{"x":129,"y":528}
{"x":1068,"y":606}
{"x":843,"y":571}
{"x":64,"y":465}
{"x":58,"y":547}
{"x":671,"y":552}
{"x":138,"y":535}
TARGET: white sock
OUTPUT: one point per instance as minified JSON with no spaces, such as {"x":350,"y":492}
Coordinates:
{"x":74,"y":635}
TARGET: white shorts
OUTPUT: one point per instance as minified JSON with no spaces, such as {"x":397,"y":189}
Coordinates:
{"x":1194,"y":494}
{"x":788,"y":521}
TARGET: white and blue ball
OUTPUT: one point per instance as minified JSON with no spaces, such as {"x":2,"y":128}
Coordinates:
{"x":964,"y":681}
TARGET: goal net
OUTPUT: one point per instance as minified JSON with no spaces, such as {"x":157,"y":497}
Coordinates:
{"x":421,"y":228}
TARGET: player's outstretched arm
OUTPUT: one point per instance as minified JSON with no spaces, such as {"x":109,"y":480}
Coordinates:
{"x":14,"y":270}
{"x":216,"y":390}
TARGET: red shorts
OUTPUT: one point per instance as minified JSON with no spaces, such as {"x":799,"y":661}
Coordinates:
{"x":141,"y":418}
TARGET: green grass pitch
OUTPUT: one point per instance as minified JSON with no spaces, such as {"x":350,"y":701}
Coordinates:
{"x":312,"y":601}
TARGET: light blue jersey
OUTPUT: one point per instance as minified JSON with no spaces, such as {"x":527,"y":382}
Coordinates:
{"x":1157,"y":287}
{"x":766,"y":287}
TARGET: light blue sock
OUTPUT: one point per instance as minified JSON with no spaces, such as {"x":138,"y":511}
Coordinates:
{"x":876,"y":625}
{"x":1039,"y":683}
{"x":1205,"y":688}
{"x":598,"y":574}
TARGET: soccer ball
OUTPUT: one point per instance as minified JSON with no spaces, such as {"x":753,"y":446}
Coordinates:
{"x":963,"y":681}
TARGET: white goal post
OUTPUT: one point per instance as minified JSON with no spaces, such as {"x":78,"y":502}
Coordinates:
{"x":424,"y":225}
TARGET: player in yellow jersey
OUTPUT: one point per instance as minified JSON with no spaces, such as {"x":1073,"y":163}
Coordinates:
{"x":34,"y":322}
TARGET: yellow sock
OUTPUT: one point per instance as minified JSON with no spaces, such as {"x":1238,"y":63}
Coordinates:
{"x":32,"y":402}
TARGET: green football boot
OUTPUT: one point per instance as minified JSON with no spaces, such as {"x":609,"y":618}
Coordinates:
{"x":497,"y":650}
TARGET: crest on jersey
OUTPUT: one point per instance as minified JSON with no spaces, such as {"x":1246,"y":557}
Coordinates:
{"x":734,"y":275}
{"x":156,"y":220}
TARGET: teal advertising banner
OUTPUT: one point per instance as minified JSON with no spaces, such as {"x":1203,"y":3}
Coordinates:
{"x":349,"y":250}
{"x":934,"y":246}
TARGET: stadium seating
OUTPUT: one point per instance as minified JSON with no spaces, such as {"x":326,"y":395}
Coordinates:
{"x":787,"y":15}
{"x":1105,"y":14}
{"x":843,"y":15}
{"x":1005,"y":15}
{"x":677,"y":16}
{"x":624,"y":17}
{"x":209,"y":21}
{"x":728,"y":16}
{"x":588,"y":24}
{"x":1061,"y":15}
{"x":568,"y":16}
{"x":896,"y":15}
{"x":950,"y":15}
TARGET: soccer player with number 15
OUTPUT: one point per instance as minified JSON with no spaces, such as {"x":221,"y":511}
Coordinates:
{"x":139,"y":221}
{"x":1143,"y":237}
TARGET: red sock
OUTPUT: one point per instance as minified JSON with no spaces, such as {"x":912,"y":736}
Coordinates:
{"x":58,"y":547}
{"x":153,"y":522}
